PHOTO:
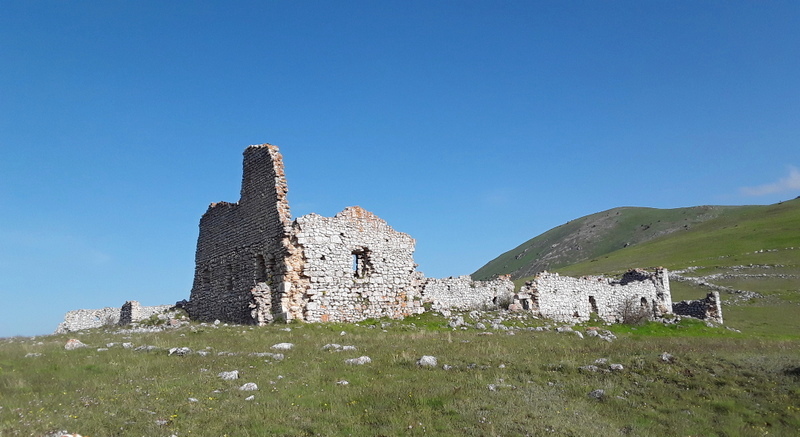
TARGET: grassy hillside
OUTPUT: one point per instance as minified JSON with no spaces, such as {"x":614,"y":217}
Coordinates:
{"x":596,"y":235}
{"x":718,"y":382}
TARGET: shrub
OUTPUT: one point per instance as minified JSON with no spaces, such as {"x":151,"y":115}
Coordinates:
{"x":632,"y":312}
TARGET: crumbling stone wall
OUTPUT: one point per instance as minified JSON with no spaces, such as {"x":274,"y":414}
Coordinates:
{"x":709,"y":308}
{"x":355,"y":267}
{"x":463,"y":293}
{"x":242,"y":244}
{"x":255,"y":265}
{"x":567,"y":299}
{"x":130,"y":312}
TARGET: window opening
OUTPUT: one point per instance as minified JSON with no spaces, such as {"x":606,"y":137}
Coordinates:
{"x":593,"y":303}
{"x":361,"y":263}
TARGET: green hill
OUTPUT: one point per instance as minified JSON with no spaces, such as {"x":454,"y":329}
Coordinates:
{"x":596,"y":235}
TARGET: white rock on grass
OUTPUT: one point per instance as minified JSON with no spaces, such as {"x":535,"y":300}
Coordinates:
{"x":74,"y":343}
{"x":282,"y":346}
{"x":250,"y":398}
{"x":342,"y":382}
{"x":180,"y":351}
{"x":667,"y":357}
{"x":616,"y":367}
{"x":359,"y":361}
{"x":250,"y":386}
{"x":229,"y":376}
{"x":427,"y":361}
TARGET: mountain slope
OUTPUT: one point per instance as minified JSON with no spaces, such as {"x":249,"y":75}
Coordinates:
{"x":595,"y":235}
{"x":768,"y":234}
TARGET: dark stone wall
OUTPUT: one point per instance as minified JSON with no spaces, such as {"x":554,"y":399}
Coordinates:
{"x":241,"y":244}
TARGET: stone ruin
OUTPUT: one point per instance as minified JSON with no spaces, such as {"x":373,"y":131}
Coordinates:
{"x":254,"y":264}
{"x":130,"y":312}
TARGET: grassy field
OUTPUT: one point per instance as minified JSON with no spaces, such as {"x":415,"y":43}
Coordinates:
{"x":720,"y":382}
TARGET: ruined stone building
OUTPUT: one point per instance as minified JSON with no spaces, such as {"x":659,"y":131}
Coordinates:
{"x":255,"y":264}
{"x":568,"y":299}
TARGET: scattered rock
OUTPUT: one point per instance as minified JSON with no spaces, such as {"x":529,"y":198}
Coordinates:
{"x":193,"y":400}
{"x":447,"y":367}
{"x":601,"y":361}
{"x":456,"y":322}
{"x":427,"y":361}
{"x":667,"y":357}
{"x":74,"y":343}
{"x":480,"y":326}
{"x":127,"y":345}
{"x":359,"y":361}
{"x":228,"y":376}
{"x":181,"y":351}
{"x":590,"y":368}
{"x":342,"y":382}
{"x":102,"y":349}
{"x":598,"y":394}
{"x":616,"y":367}
{"x":33,"y":355}
{"x":564,"y":329}
{"x":250,"y":386}
{"x":250,"y":398}
{"x":282,"y":346}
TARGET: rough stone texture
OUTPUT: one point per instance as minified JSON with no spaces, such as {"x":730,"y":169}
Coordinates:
{"x":255,"y":265}
{"x":704,"y":309}
{"x":130,"y":312}
{"x":73,"y":344}
{"x":243,"y":244}
{"x":462,"y":293}
{"x":567,"y":299}
{"x":355,"y":267}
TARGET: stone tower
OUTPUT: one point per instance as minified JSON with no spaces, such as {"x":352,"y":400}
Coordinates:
{"x":244,"y":243}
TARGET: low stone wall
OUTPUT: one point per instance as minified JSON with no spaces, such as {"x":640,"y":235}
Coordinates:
{"x":130,"y":312}
{"x":87,"y":319}
{"x":703,"y":309}
{"x":567,"y":299}
{"x":462,"y":293}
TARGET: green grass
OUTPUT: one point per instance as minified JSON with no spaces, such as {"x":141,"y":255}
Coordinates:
{"x":721,"y":382}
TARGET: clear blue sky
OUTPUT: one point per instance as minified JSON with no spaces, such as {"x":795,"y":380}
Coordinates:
{"x":470,"y":125}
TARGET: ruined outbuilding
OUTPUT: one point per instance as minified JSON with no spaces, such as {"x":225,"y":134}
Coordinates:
{"x":568,"y":299}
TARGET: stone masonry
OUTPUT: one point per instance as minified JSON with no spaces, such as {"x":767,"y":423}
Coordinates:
{"x":462,"y":293}
{"x":130,"y":312}
{"x":255,"y":265}
{"x":567,"y":299}
{"x":709,"y":308}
